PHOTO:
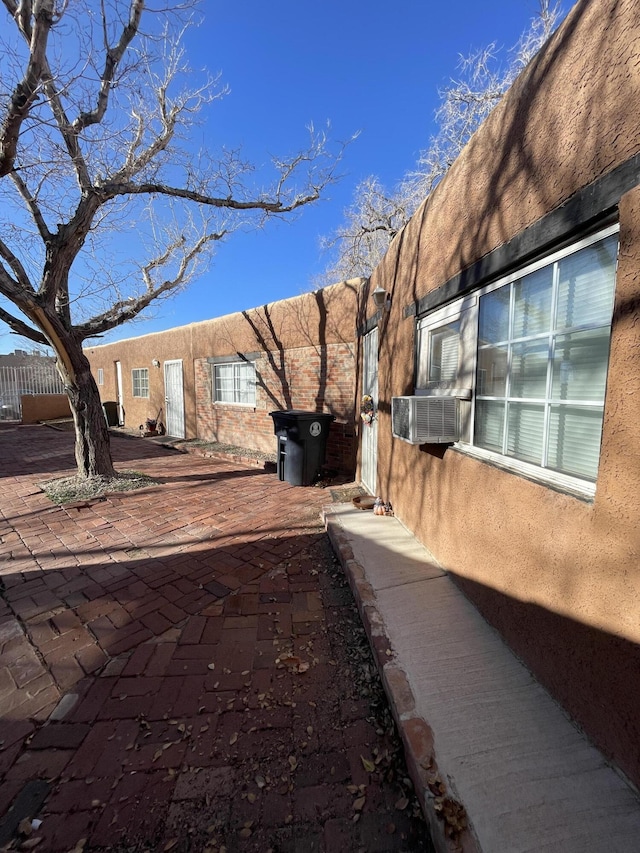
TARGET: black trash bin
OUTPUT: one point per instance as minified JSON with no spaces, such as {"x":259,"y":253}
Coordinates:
{"x":302,"y":444}
{"x":110,"y":409}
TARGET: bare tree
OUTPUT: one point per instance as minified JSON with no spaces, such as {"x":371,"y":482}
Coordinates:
{"x":372,"y":221}
{"x":96,"y":118}
{"x":377,"y":215}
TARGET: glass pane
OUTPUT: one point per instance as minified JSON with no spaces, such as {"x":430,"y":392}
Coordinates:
{"x":532,"y":303}
{"x":444,"y":345}
{"x":421,"y":359}
{"x":494,"y":317}
{"x":529,"y":369}
{"x":224,"y":383}
{"x":587,"y":285}
{"x":242,"y":386}
{"x":489,"y":425}
{"x":525,"y":425}
{"x":580,"y":366}
{"x":574,"y":440}
{"x":492,"y":372}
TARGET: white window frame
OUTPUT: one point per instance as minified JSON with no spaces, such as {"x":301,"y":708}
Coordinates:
{"x":100,"y":376}
{"x":140,"y":382}
{"x":243,"y":372}
{"x":467,"y":308}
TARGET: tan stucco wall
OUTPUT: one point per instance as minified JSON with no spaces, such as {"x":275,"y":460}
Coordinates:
{"x":43,"y":407}
{"x":559,"y":576}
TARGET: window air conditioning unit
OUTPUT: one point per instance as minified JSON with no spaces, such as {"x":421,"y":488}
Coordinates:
{"x":425,"y":420}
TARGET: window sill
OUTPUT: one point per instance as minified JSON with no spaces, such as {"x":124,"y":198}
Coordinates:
{"x":219,"y":404}
{"x":576,"y":488}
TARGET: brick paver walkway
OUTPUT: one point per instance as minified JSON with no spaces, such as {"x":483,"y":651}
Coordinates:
{"x":182,"y":668}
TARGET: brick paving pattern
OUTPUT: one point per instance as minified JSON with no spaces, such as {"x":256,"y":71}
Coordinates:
{"x":182,"y":667}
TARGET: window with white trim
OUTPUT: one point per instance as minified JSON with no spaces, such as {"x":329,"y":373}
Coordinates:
{"x":140,"y":381}
{"x":100,"y":376}
{"x":534,"y":348}
{"x":235,"y":382}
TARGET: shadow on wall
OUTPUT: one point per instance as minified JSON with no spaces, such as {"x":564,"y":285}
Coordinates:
{"x":275,"y":357}
{"x":316,"y":323}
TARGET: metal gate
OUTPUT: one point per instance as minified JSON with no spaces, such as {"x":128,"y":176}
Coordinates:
{"x":369,"y":432}
{"x":26,"y":379}
{"x":174,"y":398}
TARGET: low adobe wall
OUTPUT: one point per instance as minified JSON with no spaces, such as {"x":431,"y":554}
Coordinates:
{"x":44,"y":407}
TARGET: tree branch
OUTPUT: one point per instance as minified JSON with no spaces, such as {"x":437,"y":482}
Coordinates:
{"x":16,"y":266}
{"x":26,"y":90}
{"x":33,"y":206}
{"x":20,"y":328}
{"x":112,"y":190}
{"x":126,"y":309}
{"x":66,"y":129}
{"x":111,"y":62}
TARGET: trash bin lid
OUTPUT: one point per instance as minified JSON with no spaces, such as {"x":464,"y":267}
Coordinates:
{"x":300,"y":415}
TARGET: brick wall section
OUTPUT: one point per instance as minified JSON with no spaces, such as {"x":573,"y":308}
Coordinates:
{"x":314,"y":378}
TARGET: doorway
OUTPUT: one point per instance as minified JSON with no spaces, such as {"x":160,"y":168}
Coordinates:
{"x":119,"y":394}
{"x":369,"y":432}
{"x":174,"y":398}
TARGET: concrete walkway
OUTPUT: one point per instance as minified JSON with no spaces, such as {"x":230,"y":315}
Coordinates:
{"x":182,"y":668}
{"x":486,"y":744}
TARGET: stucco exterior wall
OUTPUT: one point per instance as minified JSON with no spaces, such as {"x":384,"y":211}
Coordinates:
{"x":40,"y":407}
{"x":558,"y":576}
{"x":306,"y":360}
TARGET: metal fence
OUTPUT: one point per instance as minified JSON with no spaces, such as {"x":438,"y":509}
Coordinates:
{"x":31,"y":379}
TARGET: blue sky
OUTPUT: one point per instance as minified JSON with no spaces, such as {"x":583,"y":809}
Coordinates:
{"x":374,"y":68}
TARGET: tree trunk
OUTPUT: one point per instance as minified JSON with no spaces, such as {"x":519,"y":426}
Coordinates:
{"x":93,"y":448}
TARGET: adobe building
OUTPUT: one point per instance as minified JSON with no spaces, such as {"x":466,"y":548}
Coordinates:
{"x":219,"y":379}
{"x":515,"y":306}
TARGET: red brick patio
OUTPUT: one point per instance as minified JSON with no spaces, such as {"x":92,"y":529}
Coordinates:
{"x":179,"y":665}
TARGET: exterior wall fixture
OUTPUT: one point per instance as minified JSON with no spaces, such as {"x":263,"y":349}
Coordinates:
{"x":382,"y":299}
{"x":156,"y":362}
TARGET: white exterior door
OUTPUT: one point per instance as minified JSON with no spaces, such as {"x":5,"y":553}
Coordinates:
{"x":119,"y":393}
{"x":369,"y":432}
{"x":174,"y":398}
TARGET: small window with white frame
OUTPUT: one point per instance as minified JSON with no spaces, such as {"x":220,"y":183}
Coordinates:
{"x":534,"y":348}
{"x":235,"y":383}
{"x":140,"y":381}
{"x":100,"y":376}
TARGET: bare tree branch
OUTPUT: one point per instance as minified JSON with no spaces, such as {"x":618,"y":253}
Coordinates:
{"x":113,"y":55}
{"x":32,"y":206}
{"x":26,"y":90}
{"x":126,"y":310}
{"x":112,"y":190}
{"x":22,"y":279}
{"x":20,"y":328}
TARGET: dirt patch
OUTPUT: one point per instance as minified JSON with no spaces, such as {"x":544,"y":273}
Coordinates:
{"x":66,"y":490}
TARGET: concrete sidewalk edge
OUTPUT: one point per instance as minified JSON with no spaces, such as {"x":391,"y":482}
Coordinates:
{"x":450,"y":827}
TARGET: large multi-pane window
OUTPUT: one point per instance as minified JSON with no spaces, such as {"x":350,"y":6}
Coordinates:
{"x":140,"y":381}
{"x":540,"y":356}
{"x":235,"y":382}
